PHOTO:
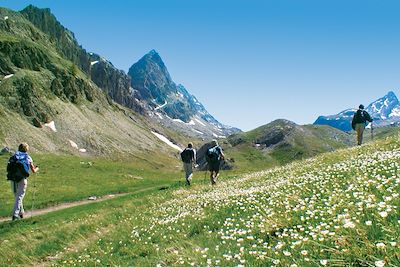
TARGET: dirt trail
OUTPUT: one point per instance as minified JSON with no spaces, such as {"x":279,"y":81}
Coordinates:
{"x":31,"y":213}
{"x":66,"y":205}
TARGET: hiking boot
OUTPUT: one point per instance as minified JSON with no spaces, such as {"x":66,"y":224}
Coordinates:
{"x":21,"y":215}
{"x":14,"y":218}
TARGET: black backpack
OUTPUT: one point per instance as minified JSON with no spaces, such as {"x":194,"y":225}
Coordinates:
{"x":17,"y":169}
{"x":360,"y":116}
{"x":187,"y":155}
{"x":213,"y":155}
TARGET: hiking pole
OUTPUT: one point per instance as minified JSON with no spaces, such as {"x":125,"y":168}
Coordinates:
{"x":33,"y":195}
{"x":372,"y":131}
{"x":205,"y":173}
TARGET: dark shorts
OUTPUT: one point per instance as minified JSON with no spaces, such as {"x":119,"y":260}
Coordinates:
{"x":214,"y":166}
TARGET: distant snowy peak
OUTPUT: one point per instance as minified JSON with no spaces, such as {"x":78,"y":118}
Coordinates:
{"x":384,"y":111}
{"x":385,"y":107}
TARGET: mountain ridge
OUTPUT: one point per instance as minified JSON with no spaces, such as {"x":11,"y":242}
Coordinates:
{"x":124,"y":88}
{"x":47,"y":100}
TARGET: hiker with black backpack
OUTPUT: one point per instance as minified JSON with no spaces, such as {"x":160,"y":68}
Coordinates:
{"x":359,"y":122}
{"x":188,"y":156}
{"x":17,"y":173}
{"x":213,"y":156}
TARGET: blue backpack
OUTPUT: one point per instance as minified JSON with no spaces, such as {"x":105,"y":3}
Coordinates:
{"x":18,"y":167}
{"x":213,"y":155}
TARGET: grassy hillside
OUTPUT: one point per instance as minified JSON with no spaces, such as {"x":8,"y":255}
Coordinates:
{"x":337,"y":209}
{"x":281,"y":142}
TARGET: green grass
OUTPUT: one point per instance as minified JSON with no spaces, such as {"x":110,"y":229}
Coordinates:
{"x":338,"y":209}
{"x":68,"y":178}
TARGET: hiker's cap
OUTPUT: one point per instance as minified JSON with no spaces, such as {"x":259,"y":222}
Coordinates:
{"x":214,"y":142}
{"x":361,"y":106}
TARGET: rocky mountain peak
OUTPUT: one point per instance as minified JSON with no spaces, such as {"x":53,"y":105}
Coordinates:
{"x":172,"y":102}
{"x":153,"y":61}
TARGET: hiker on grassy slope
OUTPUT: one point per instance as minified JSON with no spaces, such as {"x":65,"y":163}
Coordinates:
{"x":359,"y":122}
{"x":213,"y":156}
{"x":188,"y":156}
{"x":18,"y":172}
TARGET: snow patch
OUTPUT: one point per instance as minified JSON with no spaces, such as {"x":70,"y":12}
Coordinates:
{"x":73,"y":144}
{"x":197,"y":131}
{"x":191,"y":122}
{"x":82,"y":150}
{"x":159,"y":115}
{"x":395,"y":113}
{"x":8,"y":76}
{"x":199,"y":121}
{"x":51,"y":125}
{"x":178,"y":120}
{"x":386,"y":103}
{"x":163,"y":105}
{"x":166,"y":140}
{"x":218,"y":136}
{"x":94,"y":62}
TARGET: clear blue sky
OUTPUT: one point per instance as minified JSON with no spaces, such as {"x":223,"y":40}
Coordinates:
{"x":250,"y":62}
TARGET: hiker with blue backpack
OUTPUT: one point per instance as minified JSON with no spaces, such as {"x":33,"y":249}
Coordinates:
{"x":359,"y":122}
{"x":213,"y":157}
{"x":17,"y":173}
{"x":188,"y":156}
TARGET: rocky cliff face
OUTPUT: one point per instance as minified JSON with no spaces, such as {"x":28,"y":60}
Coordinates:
{"x":170,"y":103}
{"x":115,"y":82}
{"x":384,"y":111}
{"x":63,"y":39}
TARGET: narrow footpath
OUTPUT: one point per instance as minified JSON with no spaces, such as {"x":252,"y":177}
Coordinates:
{"x":37,"y":212}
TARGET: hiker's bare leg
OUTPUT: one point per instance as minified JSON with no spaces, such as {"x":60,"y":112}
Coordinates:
{"x":212,"y":177}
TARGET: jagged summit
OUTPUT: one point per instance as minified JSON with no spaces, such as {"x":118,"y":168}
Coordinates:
{"x":151,"y":79}
{"x":153,"y":57}
{"x":152,"y":52}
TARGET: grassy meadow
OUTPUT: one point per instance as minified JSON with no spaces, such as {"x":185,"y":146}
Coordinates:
{"x":337,"y":209}
{"x":70,"y":178}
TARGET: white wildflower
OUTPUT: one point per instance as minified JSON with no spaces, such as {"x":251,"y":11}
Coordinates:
{"x":380,"y":245}
{"x":383,"y":214}
{"x":323,"y":262}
